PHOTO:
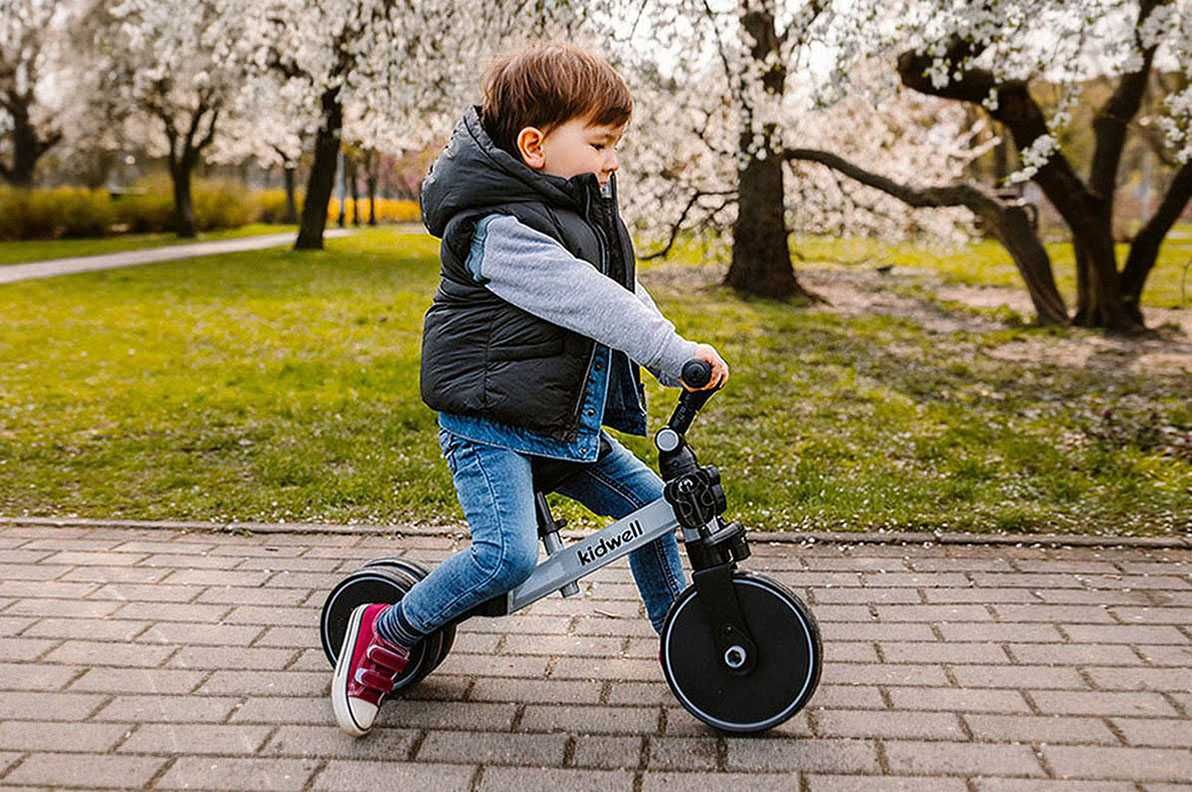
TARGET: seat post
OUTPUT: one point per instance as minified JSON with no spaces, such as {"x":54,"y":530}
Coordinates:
{"x":548,"y":530}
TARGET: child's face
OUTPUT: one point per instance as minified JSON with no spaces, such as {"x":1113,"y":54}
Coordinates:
{"x":574,"y":147}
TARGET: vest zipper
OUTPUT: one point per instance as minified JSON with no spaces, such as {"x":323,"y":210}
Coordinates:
{"x":600,"y":243}
{"x":616,"y":233}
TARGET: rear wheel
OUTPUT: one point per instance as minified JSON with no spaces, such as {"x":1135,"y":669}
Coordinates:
{"x":418,"y":571}
{"x":375,"y":584}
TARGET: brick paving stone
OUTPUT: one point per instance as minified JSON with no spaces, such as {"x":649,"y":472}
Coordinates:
{"x":1155,"y":732}
{"x":590,"y":719}
{"x":220,"y":773}
{"x":24,"y":648}
{"x":540,"y":690}
{"x":102,"y":574}
{"x":928,"y":652}
{"x":73,"y":737}
{"x":1070,"y":702}
{"x":1173,"y":679}
{"x":891,"y":725}
{"x":328,"y":741}
{"x":173,"y":612}
{"x":492,"y":748}
{"x":607,"y":752}
{"x":553,"y":779}
{"x":1039,"y":728}
{"x":190,"y":738}
{"x":167,"y":709}
{"x":849,"y":696}
{"x":519,"y":666}
{"x":1035,"y":677}
{"x":79,"y":609}
{"x":1137,"y":615}
{"x":137,"y":680}
{"x":935,"y":758}
{"x":203,"y":634}
{"x":1125,"y":633}
{"x":127,"y":592}
{"x":1073,"y":654}
{"x":1128,"y":764}
{"x":883,"y":674}
{"x":1049,"y":785}
{"x":35,"y":676}
{"x":1166,"y":655}
{"x":48,"y":706}
{"x":89,"y":771}
{"x":683,"y":753}
{"x":204,"y":657}
{"x":640,"y":693}
{"x":93,"y":629}
{"x":280,"y":683}
{"x":103,"y":653}
{"x":958,"y":699}
{"x":825,"y":756}
{"x":840,"y":783}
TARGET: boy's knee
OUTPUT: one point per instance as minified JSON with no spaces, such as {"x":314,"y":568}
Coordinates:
{"x":510,"y":569}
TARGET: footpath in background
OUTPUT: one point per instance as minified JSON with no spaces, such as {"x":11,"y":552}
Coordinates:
{"x":134,"y":258}
{"x":159,"y":658}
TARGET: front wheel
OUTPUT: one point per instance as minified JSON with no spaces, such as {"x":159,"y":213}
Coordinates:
{"x":785,"y":673}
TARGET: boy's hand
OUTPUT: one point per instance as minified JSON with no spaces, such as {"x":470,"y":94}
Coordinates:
{"x":708,"y":354}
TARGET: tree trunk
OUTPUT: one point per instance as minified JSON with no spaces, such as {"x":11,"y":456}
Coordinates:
{"x":291,"y":215}
{"x":354,"y":185}
{"x":322,"y":174}
{"x":1144,"y":250}
{"x":27,"y":148}
{"x":1083,"y":289}
{"x":372,"y":200}
{"x":184,"y":213}
{"x":761,"y":261}
{"x":1012,"y":227}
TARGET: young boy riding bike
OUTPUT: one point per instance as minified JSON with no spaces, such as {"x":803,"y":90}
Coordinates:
{"x":532,"y":344}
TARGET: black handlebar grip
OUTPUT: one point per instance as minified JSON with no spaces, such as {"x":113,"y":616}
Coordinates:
{"x":697,"y":373}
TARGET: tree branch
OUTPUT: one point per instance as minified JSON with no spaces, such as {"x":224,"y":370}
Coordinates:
{"x":1144,"y":250}
{"x":678,"y":224}
{"x":1111,"y":122}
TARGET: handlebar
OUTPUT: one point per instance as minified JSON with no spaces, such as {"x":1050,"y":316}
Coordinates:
{"x":696,"y":373}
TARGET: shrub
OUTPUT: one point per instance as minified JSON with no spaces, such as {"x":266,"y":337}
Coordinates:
{"x":389,"y":210}
{"x":56,"y":212}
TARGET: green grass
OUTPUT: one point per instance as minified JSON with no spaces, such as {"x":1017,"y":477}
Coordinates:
{"x":43,"y":250}
{"x":986,"y":263}
{"x":276,"y":385}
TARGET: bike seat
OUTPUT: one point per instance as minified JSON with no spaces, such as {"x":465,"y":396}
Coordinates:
{"x":550,"y":473}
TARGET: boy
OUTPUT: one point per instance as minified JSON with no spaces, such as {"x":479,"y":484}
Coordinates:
{"x":528,"y":349}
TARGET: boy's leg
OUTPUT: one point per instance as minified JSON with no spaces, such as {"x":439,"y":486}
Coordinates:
{"x":496,"y":490}
{"x":616,"y":486}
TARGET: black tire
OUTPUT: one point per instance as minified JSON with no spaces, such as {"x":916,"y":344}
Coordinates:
{"x":788,"y":662}
{"x":419,"y":571}
{"x":374,"y":584}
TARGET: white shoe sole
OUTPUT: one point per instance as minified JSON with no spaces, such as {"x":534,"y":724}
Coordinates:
{"x":339,"y":683}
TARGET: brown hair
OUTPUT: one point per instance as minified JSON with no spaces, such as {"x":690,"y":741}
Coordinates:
{"x":548,"y":84}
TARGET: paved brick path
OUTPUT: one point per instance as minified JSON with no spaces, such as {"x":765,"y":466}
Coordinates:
{"x":11,"y":273}
{"x":164,"y":660}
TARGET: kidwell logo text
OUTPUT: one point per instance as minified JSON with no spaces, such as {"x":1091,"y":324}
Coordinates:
{"x":605,"y":546}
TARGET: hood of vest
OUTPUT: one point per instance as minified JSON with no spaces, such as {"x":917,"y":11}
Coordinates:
{"x":472,"y":172}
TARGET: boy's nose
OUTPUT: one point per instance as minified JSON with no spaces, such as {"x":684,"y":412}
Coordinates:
{"x":612,"y":163}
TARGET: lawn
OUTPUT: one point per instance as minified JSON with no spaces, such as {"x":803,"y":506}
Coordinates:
{"x":276,"y":385}
{"x":43,"y":250}
{"x":986,"y":263}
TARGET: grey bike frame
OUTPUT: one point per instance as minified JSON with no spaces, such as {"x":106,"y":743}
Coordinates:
{"x":596,"y":551}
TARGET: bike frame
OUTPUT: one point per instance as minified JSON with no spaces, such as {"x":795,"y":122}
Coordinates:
{"x":580,"y":559}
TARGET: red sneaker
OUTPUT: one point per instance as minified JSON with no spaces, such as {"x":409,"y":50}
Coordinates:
{"x":365,"y":671}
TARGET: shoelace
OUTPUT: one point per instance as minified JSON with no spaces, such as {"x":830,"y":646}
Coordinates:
{"x":381,"y":666}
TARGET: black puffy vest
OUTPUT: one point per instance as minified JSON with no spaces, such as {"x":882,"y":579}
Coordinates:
{"x":482,"y":355}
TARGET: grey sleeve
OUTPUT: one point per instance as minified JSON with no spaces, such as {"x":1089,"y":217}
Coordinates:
{"x":661,"y":376}
{"x":534,"y":272}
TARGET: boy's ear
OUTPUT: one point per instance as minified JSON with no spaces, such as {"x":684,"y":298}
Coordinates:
{"x":529,"y":145}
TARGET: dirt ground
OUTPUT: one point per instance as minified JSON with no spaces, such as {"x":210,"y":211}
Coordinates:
{"x":856,"y":291}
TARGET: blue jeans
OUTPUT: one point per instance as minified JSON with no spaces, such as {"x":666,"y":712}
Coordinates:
{"x":496,"y":490}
